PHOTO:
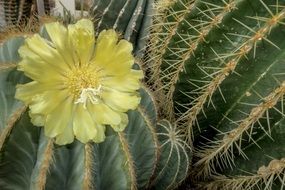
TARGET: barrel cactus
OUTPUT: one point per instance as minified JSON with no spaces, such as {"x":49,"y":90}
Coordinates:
{"x":218,"y":67}
{"x":15,"y":12}
{"x":214,"y":83}
{"x":123,"y":148}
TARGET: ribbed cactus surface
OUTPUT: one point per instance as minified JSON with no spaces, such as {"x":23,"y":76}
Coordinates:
{"x":219,"y":68}
{"x":16,"y":12}
{"x":131,"y":18}
{"x":218,"y":75}
{"x":126,"y":160}
{"x":145,"y":155}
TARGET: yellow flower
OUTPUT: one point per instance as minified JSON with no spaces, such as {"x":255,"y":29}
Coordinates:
{"x":78,"y":87}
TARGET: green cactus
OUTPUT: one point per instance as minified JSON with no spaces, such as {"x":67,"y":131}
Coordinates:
{"x":16,"y":12}
{"x":218,"y":67}
{"x":143,"y":156}
{"x":125,"y":160}
{"x":131,"y":18}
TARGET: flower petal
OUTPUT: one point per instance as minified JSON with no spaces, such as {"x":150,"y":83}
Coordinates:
{"x":57,"y":121}
{"x":60,"y":69}
{"x":124,"y":49}
{"x":38,"y":49}
{"x":105,"y":46}
{"x":66,"y":137}
{"x":26,"y":92}
{"x":127,"y":83}
{"x":81,"y":36}
{"x":123,"y":54}
{"x":102,"y":114}
{"x":100,"y":135}
{"x":37,"y":119}
{"x":57,"y":33}
{"x":120,"y":101}
{"x":46,"y":102}
{"x":83,"y":125}
{"x":123,"y":124}
{"x":115,"y":59}
{"x":59,"y":36}
{"x":35,"y":71}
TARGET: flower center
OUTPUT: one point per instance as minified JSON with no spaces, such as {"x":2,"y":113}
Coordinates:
{"x":91,"y":94}
{"x":83,"y":85}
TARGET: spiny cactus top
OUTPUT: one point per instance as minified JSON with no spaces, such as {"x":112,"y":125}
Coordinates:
{"x":78,"y":86}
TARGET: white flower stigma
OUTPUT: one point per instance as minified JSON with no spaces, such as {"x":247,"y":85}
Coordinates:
{"x":89,"y":93}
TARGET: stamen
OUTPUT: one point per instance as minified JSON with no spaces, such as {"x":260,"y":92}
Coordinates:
{"x":89,"y":93}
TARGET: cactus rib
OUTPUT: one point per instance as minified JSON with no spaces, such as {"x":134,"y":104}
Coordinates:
{"x":102,"y":16}
{"x":193,"y":44}
{"x":17,"y":11}
{"x":154,"y":138}
{"x":129,"y":160}
{"x":45,"y":161}
{"x":190,"y":116}
{"x":221,"y":151}
{"x":87,"y":179}
{"x":165,"y":38}
{"x":10,"y":124}
{"x":150,"y":102}
{"x":4,"y":66}
{"x":174,"y":153}
{"x":132,"y":23}
{"x":265,"y":175}
{"x":121,"y":13}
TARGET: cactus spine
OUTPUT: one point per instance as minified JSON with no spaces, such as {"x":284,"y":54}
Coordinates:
{"x":137,"y":158}
{"x":217,"y":72}
{"x":219,"y":65}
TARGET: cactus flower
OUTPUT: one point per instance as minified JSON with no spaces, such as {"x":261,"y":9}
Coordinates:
{"x":78,"y":86}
